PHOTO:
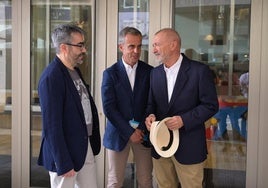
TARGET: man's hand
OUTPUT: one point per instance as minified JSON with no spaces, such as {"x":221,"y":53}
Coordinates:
{"x":137,"y":136}
{"x":149,"y":120}
{"x":174,"y":123}
{"x":71,"y":173}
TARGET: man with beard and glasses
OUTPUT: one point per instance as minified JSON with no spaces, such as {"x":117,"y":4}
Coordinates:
{"x":70,"y":134}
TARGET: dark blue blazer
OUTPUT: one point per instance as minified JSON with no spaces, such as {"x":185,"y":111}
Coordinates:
{"x":194,"y":98}
{"x":64,"y":135}
{"x":121,"y":104}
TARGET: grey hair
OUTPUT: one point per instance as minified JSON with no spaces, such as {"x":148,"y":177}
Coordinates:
{"x":62,"y":34}
{"x":128,"y":30}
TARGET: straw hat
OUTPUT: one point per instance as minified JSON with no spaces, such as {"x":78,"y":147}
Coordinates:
{"x":165,"y":141}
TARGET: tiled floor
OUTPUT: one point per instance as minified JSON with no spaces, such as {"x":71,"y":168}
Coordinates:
{"x":225,"y":154}
{"x":228,"y":156}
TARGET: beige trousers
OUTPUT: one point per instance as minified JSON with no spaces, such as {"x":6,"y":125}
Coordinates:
{"x":117,"y":162}
{"x":169,"y":173}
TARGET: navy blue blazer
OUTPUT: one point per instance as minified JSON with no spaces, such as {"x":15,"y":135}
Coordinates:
{"x":121,"y":104}
{"x":64,"y":135}
{"x":194,"y":98}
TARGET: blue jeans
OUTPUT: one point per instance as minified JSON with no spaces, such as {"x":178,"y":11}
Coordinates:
{"x":235,"y":113}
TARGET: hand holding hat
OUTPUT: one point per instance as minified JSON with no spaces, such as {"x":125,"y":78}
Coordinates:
{"x":174,"y":123}
{"x":149,"y":120}
{"x":164,"y":140}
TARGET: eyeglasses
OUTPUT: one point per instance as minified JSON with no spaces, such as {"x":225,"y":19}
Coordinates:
{"x":79,"y":45}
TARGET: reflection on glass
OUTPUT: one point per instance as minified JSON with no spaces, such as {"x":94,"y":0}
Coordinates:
{"x":5,"y":93}
{"x":45,"y":16}
{"x":217,"y":34}
{"x":135,"y":14}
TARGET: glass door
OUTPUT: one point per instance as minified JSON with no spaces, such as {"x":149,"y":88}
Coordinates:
{"x":217,"y":33}
{"x":5,"y":93}
{"x":45,"y":15}
{"x":135,"y":14}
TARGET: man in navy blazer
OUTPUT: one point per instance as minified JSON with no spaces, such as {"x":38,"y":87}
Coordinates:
{"x":125,"y":88}
{"x":184,"y":90}
{"x":70,"y":135}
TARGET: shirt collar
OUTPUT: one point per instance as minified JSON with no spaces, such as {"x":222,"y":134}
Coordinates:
{"x":128,"y":67}
{"x":174,"y":67}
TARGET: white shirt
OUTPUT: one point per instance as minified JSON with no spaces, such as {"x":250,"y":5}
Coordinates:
{"x":131,"y":73}
{"x":171,"y":74}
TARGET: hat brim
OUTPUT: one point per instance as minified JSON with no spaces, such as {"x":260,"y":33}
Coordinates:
{"x":165,"y":141}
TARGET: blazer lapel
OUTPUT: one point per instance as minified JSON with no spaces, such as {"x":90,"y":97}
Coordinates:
{"x":123,"y":77}
{"x":180,"y":81}
{"x":162,"y":82}
{"x":139,"y":77}
{"x":70,"y":85}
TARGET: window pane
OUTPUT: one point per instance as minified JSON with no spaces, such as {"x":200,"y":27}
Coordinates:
{"x":217,"y":34}
{"x":45,"y":16}
{"x":135,"y":14}
{"x":5,"y":93}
